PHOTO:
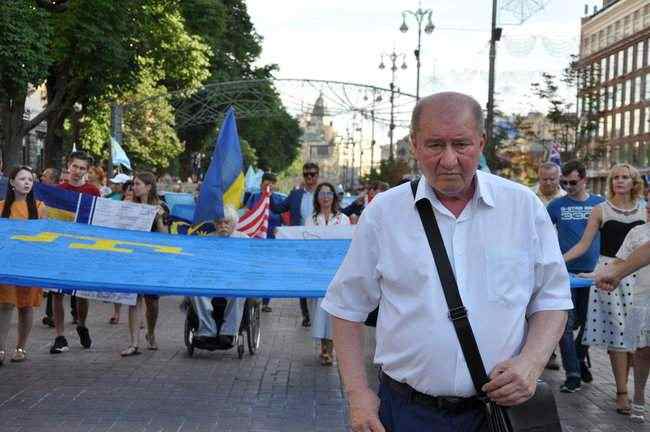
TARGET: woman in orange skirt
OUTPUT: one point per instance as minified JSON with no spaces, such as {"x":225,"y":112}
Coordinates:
{"x":19,"y":203}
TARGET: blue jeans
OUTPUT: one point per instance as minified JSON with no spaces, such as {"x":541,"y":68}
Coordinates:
{"x":568,"y":348}
{"x":398,"y":414}
{"x":572,"y":350}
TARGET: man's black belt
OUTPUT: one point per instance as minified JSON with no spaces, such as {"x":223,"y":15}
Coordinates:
{"x":446,"y":403}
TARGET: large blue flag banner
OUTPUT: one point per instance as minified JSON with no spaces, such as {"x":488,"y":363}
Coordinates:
{"x":224,"y":182}
{"x":54,"y":254}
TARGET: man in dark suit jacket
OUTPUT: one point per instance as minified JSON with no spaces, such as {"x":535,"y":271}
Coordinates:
{"x":300,"y":205}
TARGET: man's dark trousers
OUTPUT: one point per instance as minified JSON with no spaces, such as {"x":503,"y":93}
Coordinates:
{"x":398,"y":414}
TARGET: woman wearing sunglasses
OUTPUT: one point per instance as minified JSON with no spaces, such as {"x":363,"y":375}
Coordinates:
{"x":19,"y":203}
{"x":326,"y":212}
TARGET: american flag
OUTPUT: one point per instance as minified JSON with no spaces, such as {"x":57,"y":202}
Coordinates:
{"x":255,"y":222}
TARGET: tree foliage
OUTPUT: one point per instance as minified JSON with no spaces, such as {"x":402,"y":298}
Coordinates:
{"x":391,"y":171}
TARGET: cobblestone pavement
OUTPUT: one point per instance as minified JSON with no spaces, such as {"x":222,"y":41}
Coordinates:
{"x":282,"y":388}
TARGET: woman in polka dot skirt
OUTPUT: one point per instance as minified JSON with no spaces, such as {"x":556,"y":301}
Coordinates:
{"x":637,"y":330}
{"x":607,"y":313}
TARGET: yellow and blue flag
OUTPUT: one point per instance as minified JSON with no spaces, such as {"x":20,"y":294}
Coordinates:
{"x":224,"y":182}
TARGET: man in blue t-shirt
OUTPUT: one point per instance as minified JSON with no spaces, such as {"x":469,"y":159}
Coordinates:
{"x":570,"y":214}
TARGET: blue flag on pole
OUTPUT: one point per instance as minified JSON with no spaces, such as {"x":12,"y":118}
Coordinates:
{"x":224,"y":182}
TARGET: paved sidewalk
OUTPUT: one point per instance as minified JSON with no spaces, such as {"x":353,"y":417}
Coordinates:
{"x":283,"y":388}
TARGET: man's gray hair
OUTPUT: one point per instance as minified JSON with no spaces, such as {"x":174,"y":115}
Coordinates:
{"x":457,"y":99}
{"x":550,"y":166}
{"x":230,"y":214}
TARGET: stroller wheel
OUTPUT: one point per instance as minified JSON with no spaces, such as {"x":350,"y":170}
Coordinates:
{"x":240,"y":346}
{"x":188,"y":338}
{"x":253,"y":333}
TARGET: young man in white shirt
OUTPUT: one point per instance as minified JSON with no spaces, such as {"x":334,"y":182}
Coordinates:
{"x":510,"y":274}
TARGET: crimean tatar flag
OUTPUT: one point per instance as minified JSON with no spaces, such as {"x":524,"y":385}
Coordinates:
{"x":224,"y":182}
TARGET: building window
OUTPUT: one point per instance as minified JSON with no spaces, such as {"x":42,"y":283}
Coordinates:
{"x":617,"y":125}
{"x":646,"y":16}
{"x":612,"y":64}
{"x":619,"y":95}
{"x":602,"y":103}
{"x":630,"y":60}
{"x":628,"y":92}
{"x":637,"y":89}
{"x":627,"y":26}
{"x":617,"y":31}
{"x":621,"y":63}
{"x":626,"y":124}
{"x":637,"y":121}
{"x":640,"y":48}
{"x":638,"y":23}
{"x":645,"y":125}
{"x":647,"y":86}
{"x":601,"y":127}
{"x":610,"y":35}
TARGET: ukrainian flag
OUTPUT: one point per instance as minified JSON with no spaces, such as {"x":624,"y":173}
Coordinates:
{"x":65,"y":205}
{"x":224,"y":182}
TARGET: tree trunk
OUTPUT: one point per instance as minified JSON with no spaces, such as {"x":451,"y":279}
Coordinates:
{"x":13,"y":130}
{"x":53,"y":154}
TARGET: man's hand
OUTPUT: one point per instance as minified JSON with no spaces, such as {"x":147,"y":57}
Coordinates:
{"x":608,"y":278}
{"x":513,"y":381}
{"x":364,"y":411}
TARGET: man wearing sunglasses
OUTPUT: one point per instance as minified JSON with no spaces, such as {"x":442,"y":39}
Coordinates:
{"x":569,"y":214}
{"x":300,"y":205}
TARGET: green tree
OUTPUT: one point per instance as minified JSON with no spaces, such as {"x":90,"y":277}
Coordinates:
{"x":24,"y":60}
{"x":101,"y":48}
{"x":235,"y":45}
{"x":150,"y":139}
{"x":391,"y":171}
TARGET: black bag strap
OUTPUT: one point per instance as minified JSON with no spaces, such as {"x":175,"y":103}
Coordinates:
{"x":457,"y":311}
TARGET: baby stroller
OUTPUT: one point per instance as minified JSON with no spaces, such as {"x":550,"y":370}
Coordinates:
{"x":248,"y":328}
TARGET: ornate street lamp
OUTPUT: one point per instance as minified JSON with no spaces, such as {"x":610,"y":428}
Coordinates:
{"x":393,"y":57}
{"x":419,"y":15}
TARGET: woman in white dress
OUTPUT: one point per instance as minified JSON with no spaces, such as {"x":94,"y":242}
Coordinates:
{"x":608,"y":311}
{"x":637,"y":329}
{"x":326,"y":212}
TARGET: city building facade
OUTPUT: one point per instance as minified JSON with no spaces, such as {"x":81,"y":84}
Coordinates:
{"x":614,"y":88}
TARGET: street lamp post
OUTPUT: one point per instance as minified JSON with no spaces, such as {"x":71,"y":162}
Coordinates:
{"x":393,"y":56}
{"x":419,"y":16}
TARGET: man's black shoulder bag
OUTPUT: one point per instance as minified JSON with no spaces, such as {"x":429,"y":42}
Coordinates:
{"x":538,"y":414}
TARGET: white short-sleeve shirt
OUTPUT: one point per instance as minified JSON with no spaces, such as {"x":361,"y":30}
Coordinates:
{"x":508,"y":265}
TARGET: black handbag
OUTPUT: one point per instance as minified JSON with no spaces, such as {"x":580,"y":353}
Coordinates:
{"x":539,"y":413}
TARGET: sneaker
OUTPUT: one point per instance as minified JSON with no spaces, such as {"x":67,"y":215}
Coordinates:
{"x":306,"y":322}
{"x":571,"y":385}
{"x":267,"y":308}
{"x":585,"y":373}
{"x":60,"y":345}
{"x":48,"y":321}
{"x":84,"y":337}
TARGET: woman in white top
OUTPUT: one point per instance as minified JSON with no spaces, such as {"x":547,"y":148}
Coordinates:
{"x":608,"y":311}
{"x":637,"y":330}
{"x":326,"y":212}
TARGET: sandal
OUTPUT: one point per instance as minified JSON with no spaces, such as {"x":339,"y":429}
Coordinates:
{"x":637,"y":413}
{"x":19,"y":356}
{"x":114,"y":320}
{"x":130,"y":351}
{"x":151,"y":340}
{"x":623,"y":410}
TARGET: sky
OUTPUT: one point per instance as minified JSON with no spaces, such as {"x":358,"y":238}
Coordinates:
{"x":343,"y":40}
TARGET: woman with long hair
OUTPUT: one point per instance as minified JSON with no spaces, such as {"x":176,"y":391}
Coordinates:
{"x":145,"y":192}
{"x":19,"y":203}
{"x":327,"y":212}
{"x":606,"y":317}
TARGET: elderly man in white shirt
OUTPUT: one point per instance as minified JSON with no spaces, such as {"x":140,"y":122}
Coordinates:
{"x":510,"y":274}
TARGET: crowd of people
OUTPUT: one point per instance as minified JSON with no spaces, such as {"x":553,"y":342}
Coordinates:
{"x":525,"y":258}
{"x":314,"y":203}
{"x":594,"y":232}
